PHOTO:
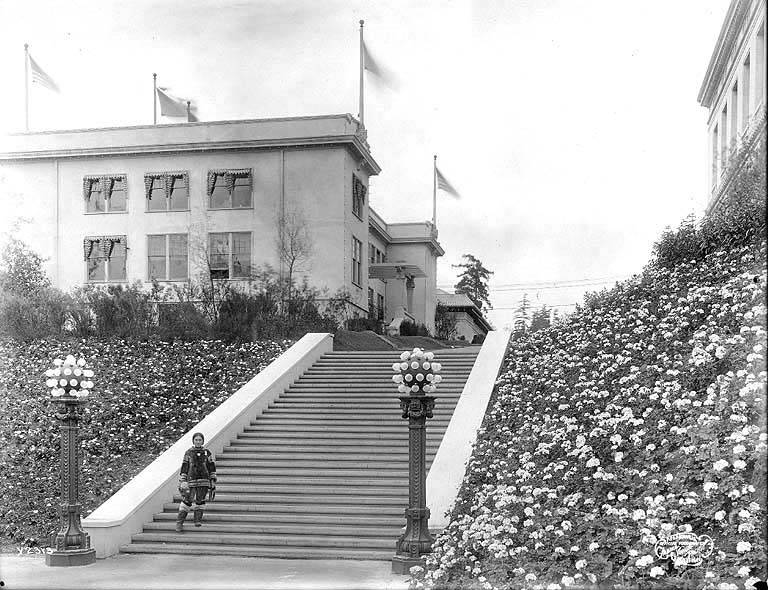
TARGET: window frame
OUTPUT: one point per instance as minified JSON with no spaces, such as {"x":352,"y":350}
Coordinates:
{"x":357,"y":263}
{"x":234,"y":173}
{"x":91,"y":180}
{"x":359,"y":194}
{"x":231,"y":256}
{"x":167,"y":258}
{"x":149,"y":180}
{"x":106,"y":259}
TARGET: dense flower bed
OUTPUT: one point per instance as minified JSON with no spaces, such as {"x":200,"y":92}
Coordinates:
{"x":146,"y":395}
{"x":640,"y":416}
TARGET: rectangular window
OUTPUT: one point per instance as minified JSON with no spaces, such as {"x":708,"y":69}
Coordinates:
{"x":372,"y":253}
{"x":733,"y":131}
{"x":105,"y":193}
{"x":105,"y":258}
{"x":167,"y":191}
{"x":760,"y":67}
{"x":230,"y":189}
{"x":230,"y":255}
{"x":359,"y":191}
{"x":723,"y":139}
{"x":357,"y":263}
{"x":715,"y":154}
{"x":168,"y":257}
{"x":745,"y":86}
{"x":380,"y":307}
{"x":371,"y":304}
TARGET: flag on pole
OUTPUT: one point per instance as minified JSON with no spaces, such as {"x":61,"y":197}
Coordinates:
{"x":39,"y":76}
{"x":444,"y":185}
{"x":171,"y":106}
{"x":382,"y":73}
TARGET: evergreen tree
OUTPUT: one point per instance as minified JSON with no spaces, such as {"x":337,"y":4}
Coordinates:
{"x":473,"y":281}
{"x":522,"y":314}
{"x":541,"y":318}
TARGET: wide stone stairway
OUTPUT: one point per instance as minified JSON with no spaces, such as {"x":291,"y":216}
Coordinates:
{"x":322,"y":473}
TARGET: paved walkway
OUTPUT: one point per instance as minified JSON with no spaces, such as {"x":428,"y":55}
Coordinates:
{"x":126,"y":572}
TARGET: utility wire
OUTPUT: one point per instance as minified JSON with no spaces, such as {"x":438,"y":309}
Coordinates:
{"x":545,"y":284}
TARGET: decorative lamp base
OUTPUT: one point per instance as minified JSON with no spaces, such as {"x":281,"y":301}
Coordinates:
{"x":71,"y":557}
{"x":402,"y":564}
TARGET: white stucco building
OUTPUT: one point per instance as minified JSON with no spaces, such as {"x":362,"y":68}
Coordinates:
{"x":470,"y":322}
{"x":734,"y":91}
{"x":169,"y":202}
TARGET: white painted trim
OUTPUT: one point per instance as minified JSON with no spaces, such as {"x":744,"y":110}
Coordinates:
{"x":447,"y":470}
{"x":124,"y":514}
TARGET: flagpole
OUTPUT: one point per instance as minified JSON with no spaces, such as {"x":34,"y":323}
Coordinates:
{"x":154,"y":97}
{"x":26,"y":86}
{"x":434,"y":191}
{"x":362,"y":68}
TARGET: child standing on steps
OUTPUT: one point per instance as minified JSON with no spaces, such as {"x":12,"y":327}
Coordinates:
{"x":197,"y":479}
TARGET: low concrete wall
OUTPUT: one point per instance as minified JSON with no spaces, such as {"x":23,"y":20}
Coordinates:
{"x":124,"y":514}
{"x":447,"y":470}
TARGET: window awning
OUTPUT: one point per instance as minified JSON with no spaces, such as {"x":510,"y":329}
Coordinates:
{"x":394,"y":270}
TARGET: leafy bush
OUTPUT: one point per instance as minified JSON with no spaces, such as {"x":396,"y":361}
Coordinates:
{"x":34,"y":315}
{"x":363,"y":324}
{"x":182,"y":321}
{"x":738,"y":221}
{"x":409,"y":328}
{"x":640,"y":415}
{"x":21,"y":269}
{"x":445,"y":322}
{"x":147,"y":395}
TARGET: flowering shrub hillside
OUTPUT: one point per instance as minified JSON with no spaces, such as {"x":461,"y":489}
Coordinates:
{"x":639,"y":416}
{"x":146,"y":395}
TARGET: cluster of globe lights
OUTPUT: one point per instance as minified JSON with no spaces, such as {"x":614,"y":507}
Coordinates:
{"x":416,"y":371}
{"x":70,"y":377}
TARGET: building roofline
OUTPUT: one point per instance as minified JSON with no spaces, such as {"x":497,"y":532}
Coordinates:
{"x":185,"y":124}
{"x":738,"y":11}
{"x":356,"y":142}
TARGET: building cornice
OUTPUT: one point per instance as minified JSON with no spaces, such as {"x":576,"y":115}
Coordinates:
{"x":431,"y":242}
{"x":355,"y":142}
{"x":731,"y":33}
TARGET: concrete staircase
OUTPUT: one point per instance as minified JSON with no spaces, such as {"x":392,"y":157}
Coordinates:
{"x":322,"y":473}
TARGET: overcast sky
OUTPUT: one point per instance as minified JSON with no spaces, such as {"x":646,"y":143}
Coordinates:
{"x":570,"y":127}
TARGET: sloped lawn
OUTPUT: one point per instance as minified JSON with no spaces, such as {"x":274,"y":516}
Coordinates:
{"x":640,"y":416}
{"x":146,"y":395}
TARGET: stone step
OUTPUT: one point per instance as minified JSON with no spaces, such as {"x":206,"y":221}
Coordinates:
{"x":375,"y":421}
{"x":336,"y":530}
{"x":240,"y":468}
{"x":279,"y":442}
{"x":247,"y":453}
{"x":307,"y":499}
{"x":198,"y":535}
{"x":388,"y":391}
{"x":362,"y":437}
{"x":260,"y":551}
{"x":296,"y":464}
{"x":366,"y":481}
{"x":278,"y":511}
{"x":357,"y":397}
{"x":275,"y":519}
{"x":351,"y":429}
{"x":382,"y":409}
{"x":240,"y":446}
{"x":400,"y":491}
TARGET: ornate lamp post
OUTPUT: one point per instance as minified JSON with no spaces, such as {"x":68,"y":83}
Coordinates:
{"x":70,"y":382}
{"x":416,"y":374}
